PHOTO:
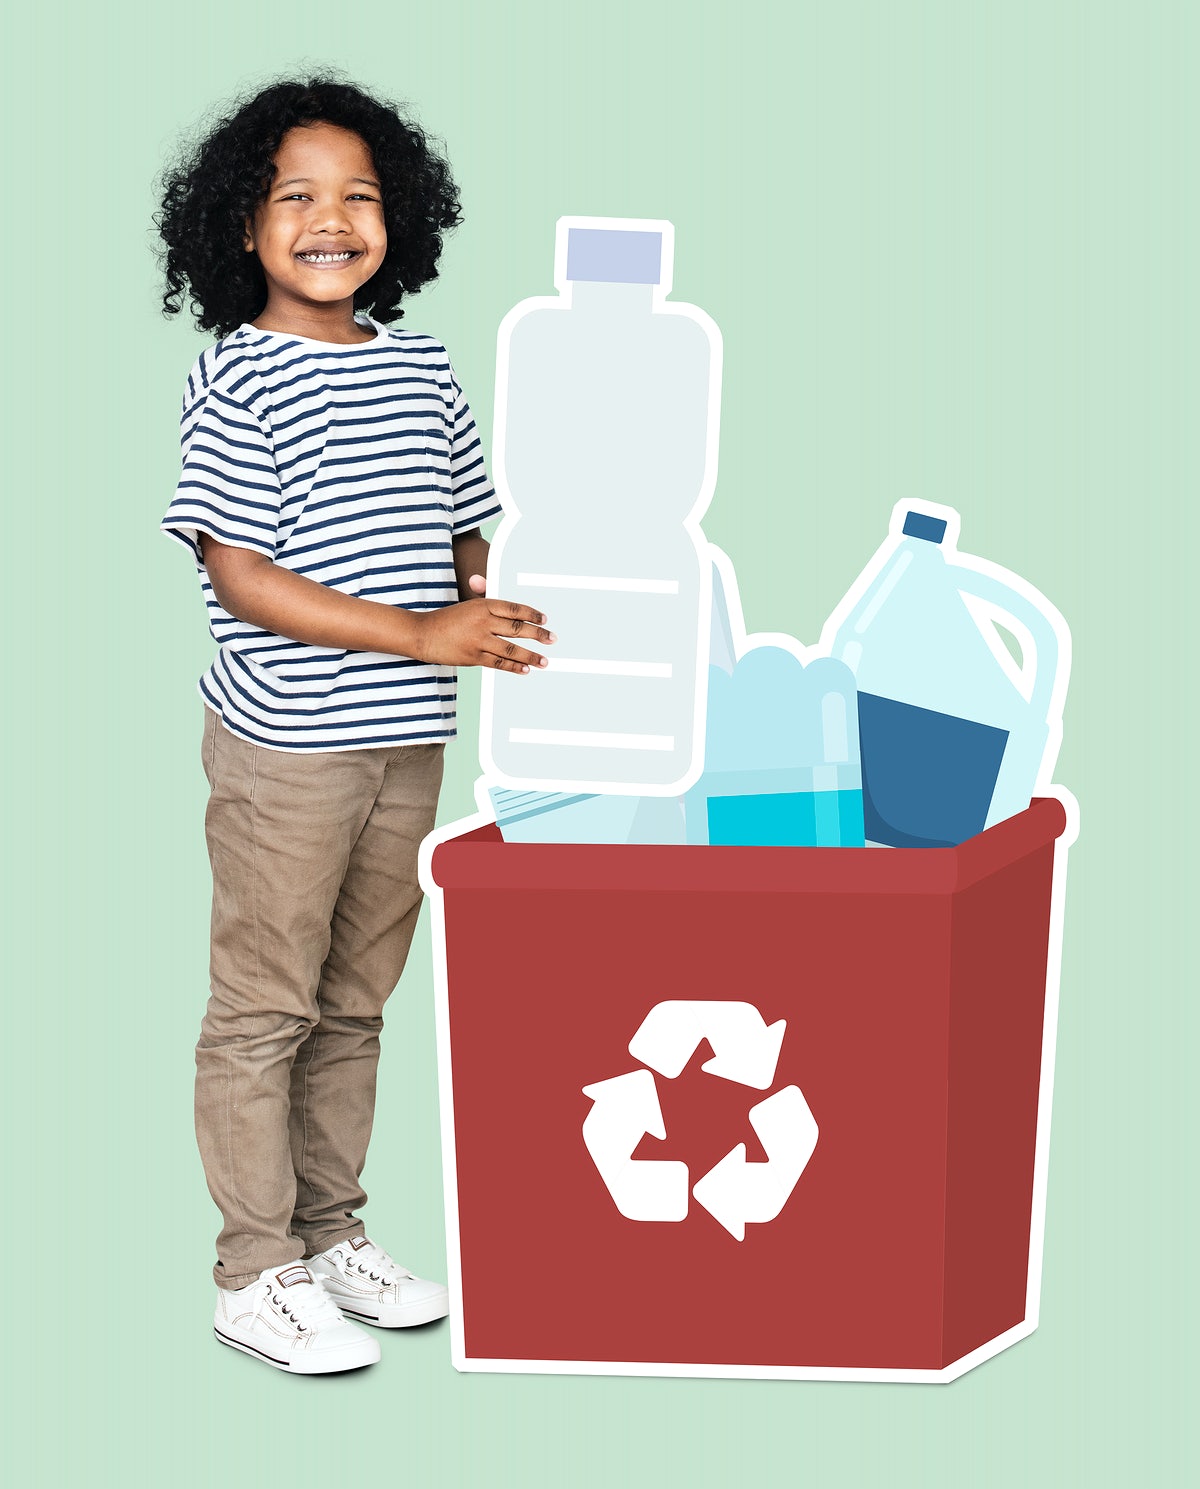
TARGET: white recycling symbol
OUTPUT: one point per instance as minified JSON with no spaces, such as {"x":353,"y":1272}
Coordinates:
{"x":734,"y":1192}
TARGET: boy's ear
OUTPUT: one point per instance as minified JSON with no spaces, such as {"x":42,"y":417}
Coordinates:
{"x":248,"y":235}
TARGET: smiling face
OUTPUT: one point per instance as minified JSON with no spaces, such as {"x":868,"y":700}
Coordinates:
{"x":319,"y":232}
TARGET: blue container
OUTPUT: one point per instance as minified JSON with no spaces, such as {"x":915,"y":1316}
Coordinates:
{"x":954,"y":731}
{"x":781,"y":766}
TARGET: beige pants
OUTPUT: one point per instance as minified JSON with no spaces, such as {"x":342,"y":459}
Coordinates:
{"x":315,"y":899}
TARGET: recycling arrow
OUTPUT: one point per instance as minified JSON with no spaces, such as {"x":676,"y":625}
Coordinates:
{"x":625,"y":1108}
{"x":735,"y":1192}
{"x":745,"y":1047}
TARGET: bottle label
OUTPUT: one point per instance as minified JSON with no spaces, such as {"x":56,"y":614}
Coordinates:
{"x":928,"y":777}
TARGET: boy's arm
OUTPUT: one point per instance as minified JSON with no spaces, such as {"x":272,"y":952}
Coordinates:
{"x":470,"y":559}
{"x":474,"y":633}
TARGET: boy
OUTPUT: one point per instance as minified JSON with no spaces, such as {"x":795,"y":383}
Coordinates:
{"x":331,"y":494}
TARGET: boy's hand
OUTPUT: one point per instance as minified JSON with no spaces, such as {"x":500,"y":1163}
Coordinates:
{"x":483,"y":632}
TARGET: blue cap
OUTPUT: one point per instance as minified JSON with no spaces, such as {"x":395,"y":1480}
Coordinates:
{"x":614,"y":255}
{"x":919,"y":525}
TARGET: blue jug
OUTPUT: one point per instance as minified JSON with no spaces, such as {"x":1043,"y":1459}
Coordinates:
{"x":955,"y":735}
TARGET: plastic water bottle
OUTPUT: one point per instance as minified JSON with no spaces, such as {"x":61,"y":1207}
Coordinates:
{"x":605,"y":447}
{"x":781,"y":762}
{"x":584,"y":817}
{"x":955,"y":734}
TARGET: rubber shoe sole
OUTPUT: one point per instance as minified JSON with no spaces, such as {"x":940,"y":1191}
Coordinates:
{"x":399,"y":1315}
{"x":324,"y":1362}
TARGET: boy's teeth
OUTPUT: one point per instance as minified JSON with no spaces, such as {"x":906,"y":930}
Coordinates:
{"x":324,"y":258}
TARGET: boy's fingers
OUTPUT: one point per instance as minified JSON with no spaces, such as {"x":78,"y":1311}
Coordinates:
{"x":528,"y":630}
{"x":507,"y":664}
{"x":477,"y":584}
{"x":513,"y":658}
{"x":511,"y":611}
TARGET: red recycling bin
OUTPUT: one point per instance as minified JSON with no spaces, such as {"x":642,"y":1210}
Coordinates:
{"x":775,"y":1112}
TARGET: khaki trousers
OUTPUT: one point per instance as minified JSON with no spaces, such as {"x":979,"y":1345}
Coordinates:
{"x":315,"y":900}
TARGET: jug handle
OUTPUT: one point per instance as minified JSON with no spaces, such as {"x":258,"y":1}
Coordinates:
{"x":1012,"y":597}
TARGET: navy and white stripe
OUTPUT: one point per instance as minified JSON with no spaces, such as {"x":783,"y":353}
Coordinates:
{"x":353,"y":465}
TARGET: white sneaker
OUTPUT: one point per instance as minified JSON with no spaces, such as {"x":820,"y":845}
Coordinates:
{"x":367,"y":1284}
{"x":288,"y":1319}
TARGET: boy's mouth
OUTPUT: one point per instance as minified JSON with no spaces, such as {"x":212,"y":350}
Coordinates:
{"x":339,"y":260}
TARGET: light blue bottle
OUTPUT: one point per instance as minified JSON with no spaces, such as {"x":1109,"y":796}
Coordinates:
{"x":955,"y":734}
{"x":781,"y":766}
{"x":563,"y":817}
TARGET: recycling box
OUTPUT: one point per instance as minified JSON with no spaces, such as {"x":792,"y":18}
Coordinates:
{"x":737,"y":1111}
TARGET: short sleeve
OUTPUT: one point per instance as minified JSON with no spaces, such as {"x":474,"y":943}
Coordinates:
{"x":474,"y":495}
{"x":228,"y":487}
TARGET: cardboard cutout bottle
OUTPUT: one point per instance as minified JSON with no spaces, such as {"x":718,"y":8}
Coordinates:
{"x":605,"y":456}
{"x":955,"y":734}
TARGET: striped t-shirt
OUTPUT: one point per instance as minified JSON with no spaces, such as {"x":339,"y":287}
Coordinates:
{"x":352,"y":465}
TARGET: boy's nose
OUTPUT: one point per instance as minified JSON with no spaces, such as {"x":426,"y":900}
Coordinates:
{"x":329,"y":217}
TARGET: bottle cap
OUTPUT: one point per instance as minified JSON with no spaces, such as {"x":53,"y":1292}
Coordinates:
{"x":920,"y":525}
{"x":614,"y":256}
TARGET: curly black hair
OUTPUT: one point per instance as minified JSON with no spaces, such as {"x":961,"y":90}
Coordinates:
{"x":219,"y":181}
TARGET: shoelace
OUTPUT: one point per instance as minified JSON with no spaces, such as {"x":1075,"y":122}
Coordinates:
{"x":307,"y":1304}
{"x":374,"y":1262}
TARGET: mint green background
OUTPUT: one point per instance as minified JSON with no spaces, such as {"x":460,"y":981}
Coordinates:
{"x":953,"y":251}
